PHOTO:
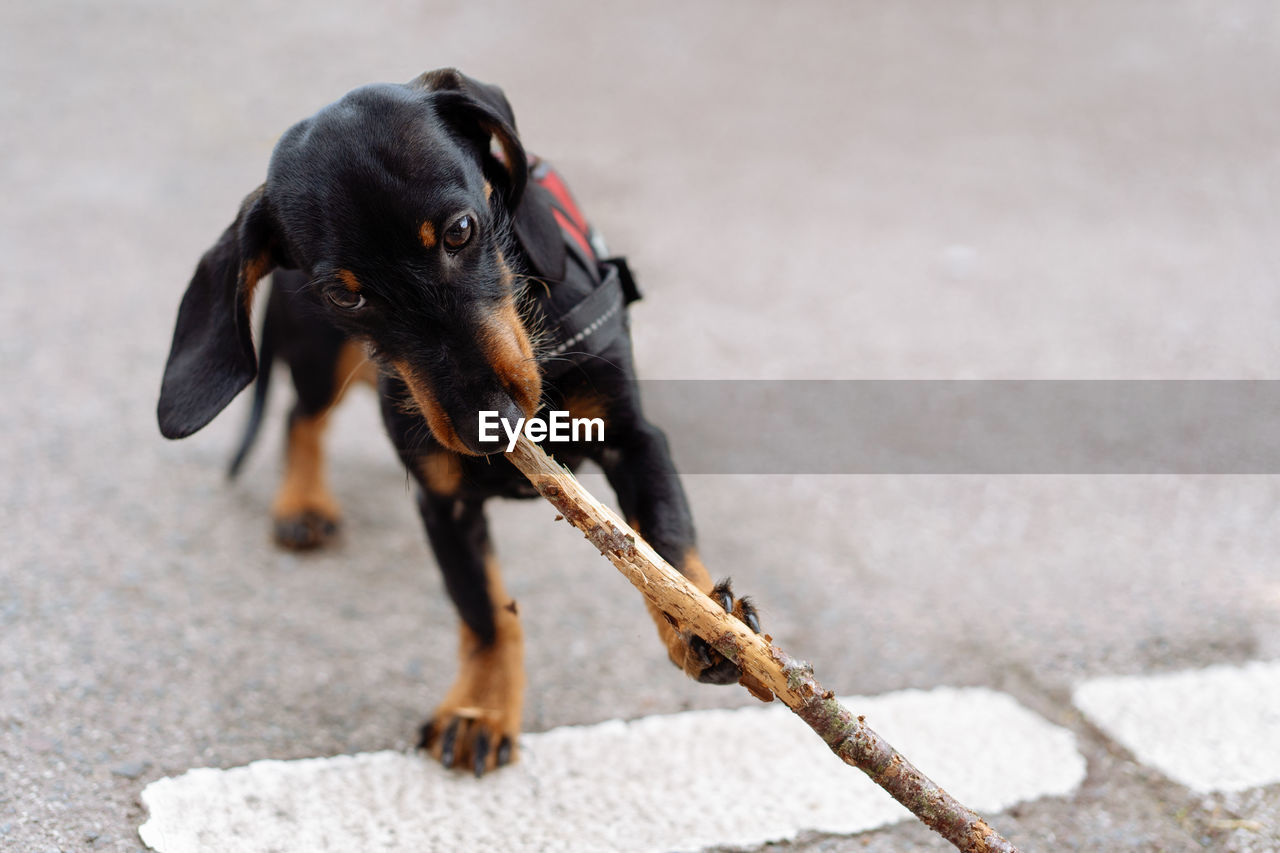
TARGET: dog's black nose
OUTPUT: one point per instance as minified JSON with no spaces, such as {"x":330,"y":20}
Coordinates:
{"x":494,"y":426}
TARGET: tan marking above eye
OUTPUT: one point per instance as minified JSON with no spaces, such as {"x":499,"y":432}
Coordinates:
{"x":488,"y":190}
{"x":428,"y":234}
{"x":349,"y":280}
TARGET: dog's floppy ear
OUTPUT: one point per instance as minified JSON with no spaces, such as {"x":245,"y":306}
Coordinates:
{"x":212,"y":357}
{"x":485,"y":110}
{"x":453,"y":80}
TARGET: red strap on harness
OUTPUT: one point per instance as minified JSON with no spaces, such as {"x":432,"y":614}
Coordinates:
{"x":566,"y":211}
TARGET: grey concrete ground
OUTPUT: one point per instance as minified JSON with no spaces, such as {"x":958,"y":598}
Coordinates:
{"x":809,"y":190}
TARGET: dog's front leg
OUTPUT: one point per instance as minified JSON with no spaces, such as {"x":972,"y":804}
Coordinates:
{"x":477,"y":724}
{"x":644,"y":478}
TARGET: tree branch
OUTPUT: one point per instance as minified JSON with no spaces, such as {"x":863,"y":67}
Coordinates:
{"x":767,"y":671}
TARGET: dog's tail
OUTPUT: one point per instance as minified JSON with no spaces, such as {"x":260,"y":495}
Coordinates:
{"x":266,"y":357}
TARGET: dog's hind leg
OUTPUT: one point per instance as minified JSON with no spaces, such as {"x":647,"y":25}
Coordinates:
{"x":305,"y":513}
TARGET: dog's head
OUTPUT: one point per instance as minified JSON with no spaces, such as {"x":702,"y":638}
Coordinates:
{"x":403,"y":206}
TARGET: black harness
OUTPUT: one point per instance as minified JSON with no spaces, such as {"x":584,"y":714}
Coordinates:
{"x":586,"y":309}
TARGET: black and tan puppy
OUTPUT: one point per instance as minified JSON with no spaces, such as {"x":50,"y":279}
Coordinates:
{"x":416,"y":244}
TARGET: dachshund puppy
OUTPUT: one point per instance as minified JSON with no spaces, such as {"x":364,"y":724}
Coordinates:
{"x":416,"y":244}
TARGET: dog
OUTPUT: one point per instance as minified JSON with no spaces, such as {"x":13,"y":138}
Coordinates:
{"x":412,"y":242}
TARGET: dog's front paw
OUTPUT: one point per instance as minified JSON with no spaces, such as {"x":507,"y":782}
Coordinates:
{"x":477,"y":724}
{"x":305,"y":530}
{"x":696,"y":657}
{"x":472,"y":738}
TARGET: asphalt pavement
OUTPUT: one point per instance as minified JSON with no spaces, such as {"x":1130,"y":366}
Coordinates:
{"x":917,"y":190}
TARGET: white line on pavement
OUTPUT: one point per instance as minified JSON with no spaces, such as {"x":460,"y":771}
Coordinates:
{"x":678,"y":782}
{"x":1216,"y":729}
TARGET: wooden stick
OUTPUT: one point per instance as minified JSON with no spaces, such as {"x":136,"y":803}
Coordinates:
{"x":767,"y":670}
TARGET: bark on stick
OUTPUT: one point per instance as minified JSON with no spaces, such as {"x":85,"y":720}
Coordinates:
{"x":767,"y":670}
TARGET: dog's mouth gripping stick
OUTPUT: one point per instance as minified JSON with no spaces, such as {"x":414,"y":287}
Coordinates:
{"x":766,"y":670}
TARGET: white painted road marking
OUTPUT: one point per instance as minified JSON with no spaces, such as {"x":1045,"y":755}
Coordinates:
{"x":678,"y":782}
{"x":1215,"y":729}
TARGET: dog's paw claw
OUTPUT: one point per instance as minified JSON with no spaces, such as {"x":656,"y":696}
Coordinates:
{"x":722,"y":594}
{"x":479,"y":753}
{"x":745,"y":610}
{"x":449,"y":742}
{"x":462,"y":739}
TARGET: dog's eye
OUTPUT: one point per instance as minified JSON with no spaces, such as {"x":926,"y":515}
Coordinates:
{"x":345,"y":299}
{"x":459,"y":233}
